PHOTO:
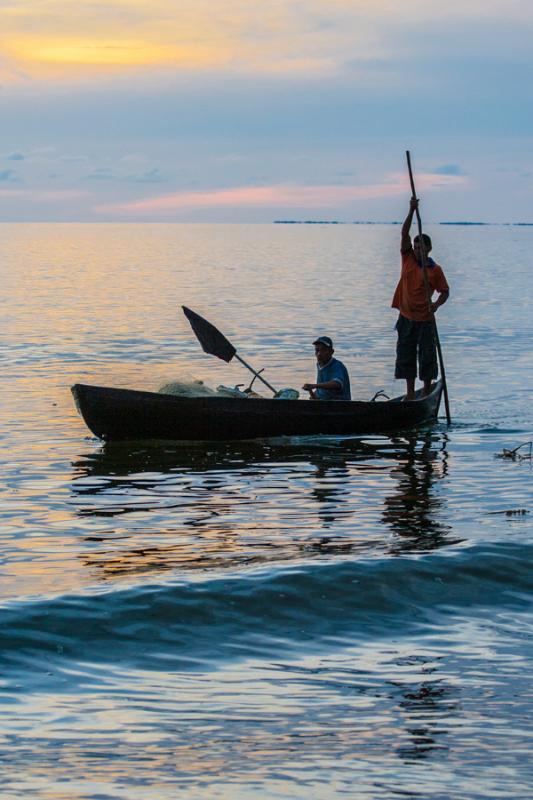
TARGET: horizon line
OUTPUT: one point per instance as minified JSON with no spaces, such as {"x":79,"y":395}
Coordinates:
{"x":464,"y":223}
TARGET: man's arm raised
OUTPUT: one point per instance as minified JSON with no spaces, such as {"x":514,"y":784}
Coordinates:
{"x":406,"y":227}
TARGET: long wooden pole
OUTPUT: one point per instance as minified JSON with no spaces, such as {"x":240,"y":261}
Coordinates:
{"x":428,"y":294}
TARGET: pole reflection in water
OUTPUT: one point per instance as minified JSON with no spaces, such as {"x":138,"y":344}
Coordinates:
{"x":426,"y":706}
{"x":331,"y":486}
{"x":236,"y":505}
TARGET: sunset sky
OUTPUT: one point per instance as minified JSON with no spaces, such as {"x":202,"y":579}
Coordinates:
{"x":231,"y":110}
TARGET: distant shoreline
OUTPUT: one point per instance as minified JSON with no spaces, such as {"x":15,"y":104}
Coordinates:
{"x":393,"y":222}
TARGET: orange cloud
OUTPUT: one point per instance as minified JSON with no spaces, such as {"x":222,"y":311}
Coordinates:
{"x":54,"y":54}
{"x":284,"y":195}
{"x":45,"y":39}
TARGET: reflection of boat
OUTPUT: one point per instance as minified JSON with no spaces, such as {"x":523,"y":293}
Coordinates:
{"x":161,"y":506}
{"x":127,"y":414}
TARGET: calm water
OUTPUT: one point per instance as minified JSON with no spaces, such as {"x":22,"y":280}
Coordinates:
{"x":305,"y":618}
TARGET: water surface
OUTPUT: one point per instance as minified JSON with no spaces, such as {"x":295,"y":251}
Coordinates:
{"x":299,"y":617}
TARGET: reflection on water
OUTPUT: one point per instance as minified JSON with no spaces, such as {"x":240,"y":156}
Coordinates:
{"x":236,"y":505}
{"x":405,"y":667}
{"x":415,"y":511}
{"x":425,"y":706}
{"x":421,"y":702}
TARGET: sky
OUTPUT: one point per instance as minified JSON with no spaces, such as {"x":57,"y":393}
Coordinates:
{"x":240,"y":111}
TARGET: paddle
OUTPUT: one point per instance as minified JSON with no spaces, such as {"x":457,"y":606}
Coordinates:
{"x":216,"y":344}
{"x":428,"y":294}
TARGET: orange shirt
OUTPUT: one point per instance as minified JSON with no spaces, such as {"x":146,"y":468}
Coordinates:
{"x":410,"y":295}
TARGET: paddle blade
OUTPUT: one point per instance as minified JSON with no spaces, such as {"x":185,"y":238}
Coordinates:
{"x":212,"y":341}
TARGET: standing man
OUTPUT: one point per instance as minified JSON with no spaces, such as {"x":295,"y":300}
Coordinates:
{"x":415,"y":325}
{"x":332,"y":380}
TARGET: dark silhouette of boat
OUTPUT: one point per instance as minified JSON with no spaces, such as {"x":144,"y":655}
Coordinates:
{"x":126,"y":414}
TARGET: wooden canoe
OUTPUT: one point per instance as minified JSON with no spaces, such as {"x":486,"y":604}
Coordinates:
{"x":125,"y":414}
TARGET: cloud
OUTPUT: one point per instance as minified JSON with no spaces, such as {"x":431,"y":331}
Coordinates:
{"x":302,"y":96}
{"x":106,"y":174}
{"x":101,"y":174}
{"x":276,"y":196}
{"x":8,"y":176}
{"x":449,"y":169}
{"x":320,"y":37}
{"x":150,"y":176}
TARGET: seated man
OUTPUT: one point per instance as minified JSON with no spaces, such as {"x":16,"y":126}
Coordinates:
{"x":332,"y":381}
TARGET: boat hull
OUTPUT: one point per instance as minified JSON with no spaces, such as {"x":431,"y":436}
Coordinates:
{"x":126,"y":414}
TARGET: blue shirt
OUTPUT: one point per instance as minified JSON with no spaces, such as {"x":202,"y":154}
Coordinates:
{"x":333,"y":371}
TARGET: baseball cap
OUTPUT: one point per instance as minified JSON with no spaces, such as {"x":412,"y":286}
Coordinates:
{"x":324,"y":340}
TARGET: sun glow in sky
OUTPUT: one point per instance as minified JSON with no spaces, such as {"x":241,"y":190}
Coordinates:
{"x":229,"y":110}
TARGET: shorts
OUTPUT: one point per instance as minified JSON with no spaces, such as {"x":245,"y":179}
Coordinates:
{"x":416,"y":342}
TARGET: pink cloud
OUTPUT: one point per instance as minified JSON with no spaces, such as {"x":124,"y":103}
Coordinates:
{"x":282,"y":195}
